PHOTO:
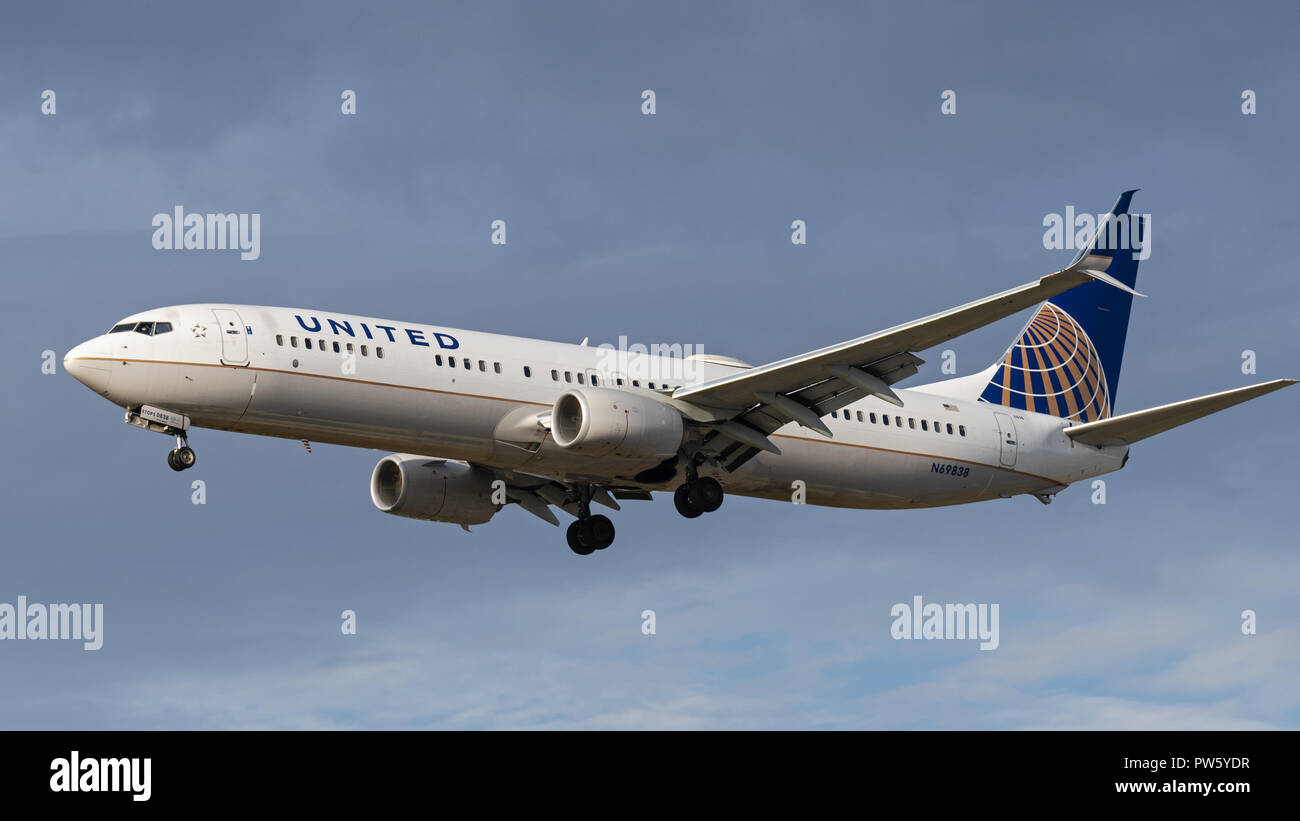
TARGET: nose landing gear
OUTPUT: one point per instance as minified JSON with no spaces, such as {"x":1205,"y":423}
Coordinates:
{"x":168,"y":423}
{"x":182,"y":458}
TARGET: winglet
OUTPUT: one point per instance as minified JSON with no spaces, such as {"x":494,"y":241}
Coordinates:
{"x":1110,"y":280}
{"x":1099,"y":251}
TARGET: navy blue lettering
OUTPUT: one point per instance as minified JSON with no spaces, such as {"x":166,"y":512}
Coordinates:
{"x":367,"y":330}
{"x":345,"y":326}
{"x":447,"y":341}
{"x":388,"y":329}
{"x":417,"y":337}
{"x":304,"y":324}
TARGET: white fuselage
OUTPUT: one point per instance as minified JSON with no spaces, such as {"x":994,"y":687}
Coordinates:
{"x":249,"y":369}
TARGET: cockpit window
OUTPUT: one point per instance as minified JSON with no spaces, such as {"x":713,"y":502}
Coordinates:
{"x":146,"y":328}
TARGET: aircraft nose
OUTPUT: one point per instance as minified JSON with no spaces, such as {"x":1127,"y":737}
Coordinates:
{"x":88,"y":367}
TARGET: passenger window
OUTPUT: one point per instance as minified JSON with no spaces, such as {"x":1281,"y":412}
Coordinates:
{"x":279,"y":340}
{"x":898,"y":421}
{"x":555,"y":375}
{"x":350,"y":351}
{"x":860,"y":419}
{"x":962,"y":429}
{"x":911,"y":423}
{"x":618,"y":380}
{"x":451,"y":362}
{"x":924,"y":425}
{"x":568,"y":376}
{"x":652,"y":385}
{"x":161,"y":328}
{"x":581,"y":380}
{"x":528,"y":372}
{"x":496,"y":367}
{"x":293,"y":341}
{"x":145,"y":328}
{"x":379,"y":352}
{"x":884,"y":418}
{"x":306,"y":343}
{"x":873,"y":418}
{"x":636,"y":383}
{"x":468,"y":366}
{"x":336,"y":348}
{"x":937,"y":427}
{"x":364,"y":352}
{"x":321,"y":344}
{"x":482,"y":366}
{"x":949,"y":428}
{"x":437,"y":359}
{"x":594,"y":381}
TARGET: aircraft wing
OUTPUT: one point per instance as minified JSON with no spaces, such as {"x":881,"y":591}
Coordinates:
{"x":806,"y":387}
{"x":1133,"y":427}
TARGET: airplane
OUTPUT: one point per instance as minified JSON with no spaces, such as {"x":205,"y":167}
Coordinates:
{"x":478,"y":421}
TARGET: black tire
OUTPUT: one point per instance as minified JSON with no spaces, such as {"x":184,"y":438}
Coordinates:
{"x":598,"y":531}
{"x":706,"y":494}
{"x":576,"y":542}
{"x":683,"y":503}
{"x":185,"y":457}
{"x":172,"y":462}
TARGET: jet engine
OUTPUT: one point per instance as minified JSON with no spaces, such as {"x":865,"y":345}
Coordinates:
{"x":619,"y":424}
{"x":436,"y":490}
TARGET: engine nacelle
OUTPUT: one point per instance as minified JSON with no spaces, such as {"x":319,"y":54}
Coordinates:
{"x":603,"y":422}
{"x":432,"y":489}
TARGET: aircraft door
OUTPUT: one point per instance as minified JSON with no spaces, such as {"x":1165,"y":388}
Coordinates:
{"x":1007,"y":435}
{"x":234,"y":340}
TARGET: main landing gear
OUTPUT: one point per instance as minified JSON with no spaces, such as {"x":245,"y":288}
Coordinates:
{"x":182,"y":458}
{"x":589,"y":533}
{"x":698,"y":496}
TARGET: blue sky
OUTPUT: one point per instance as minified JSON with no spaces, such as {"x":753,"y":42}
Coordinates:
{"x":671,"y":228}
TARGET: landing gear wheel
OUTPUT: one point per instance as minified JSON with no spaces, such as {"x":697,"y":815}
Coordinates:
{"x":706,"y":494}
{"x":181,"y":458}
{"x":576,"y":543}
{"x":598,"y":531}
{"x":683,"y":503}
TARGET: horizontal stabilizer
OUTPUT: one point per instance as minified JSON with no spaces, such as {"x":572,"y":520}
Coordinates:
{"x":1136,"y":426}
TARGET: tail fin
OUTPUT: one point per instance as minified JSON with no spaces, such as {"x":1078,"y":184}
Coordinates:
{"x":1066,"y":361}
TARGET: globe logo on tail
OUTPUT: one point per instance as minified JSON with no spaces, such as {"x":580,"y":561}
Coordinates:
{"x":1052,"y":368}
